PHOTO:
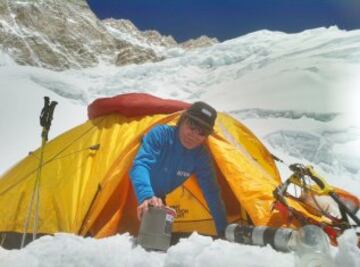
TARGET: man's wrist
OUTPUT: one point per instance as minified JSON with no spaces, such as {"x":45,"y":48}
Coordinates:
{"x":148,"y":197}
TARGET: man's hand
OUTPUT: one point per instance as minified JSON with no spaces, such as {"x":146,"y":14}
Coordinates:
{"x":144,"y":206}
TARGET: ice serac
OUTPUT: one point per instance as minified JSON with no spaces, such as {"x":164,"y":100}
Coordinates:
{"x":66,"y":34}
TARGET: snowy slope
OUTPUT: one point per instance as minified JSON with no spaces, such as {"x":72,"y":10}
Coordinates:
{"x":21,"y":102}
{"x":297,"y":92}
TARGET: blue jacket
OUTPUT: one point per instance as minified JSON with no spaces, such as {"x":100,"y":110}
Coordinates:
{"x":163,"y":163}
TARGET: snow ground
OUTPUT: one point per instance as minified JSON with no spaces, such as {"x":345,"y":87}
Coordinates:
{"x":65,"y":250}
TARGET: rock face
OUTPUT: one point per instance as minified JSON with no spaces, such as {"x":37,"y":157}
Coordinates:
{"x":202,"y":41}
{"x":66,"y":34}
{"x":122,"y":27}
{"x":61,"y":34}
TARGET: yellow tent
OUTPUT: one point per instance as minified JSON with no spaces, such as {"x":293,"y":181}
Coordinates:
{"x":85,"y":187}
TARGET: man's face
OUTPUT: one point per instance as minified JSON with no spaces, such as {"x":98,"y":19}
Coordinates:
{"x":191,"y":134}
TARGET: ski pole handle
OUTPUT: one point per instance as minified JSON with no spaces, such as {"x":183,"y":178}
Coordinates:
{"x":51,"y":113}
{"x":44,"y":111}
{"x":46,"y":116}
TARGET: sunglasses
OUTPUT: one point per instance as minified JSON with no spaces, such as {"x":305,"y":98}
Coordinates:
{"x":196,"y":126}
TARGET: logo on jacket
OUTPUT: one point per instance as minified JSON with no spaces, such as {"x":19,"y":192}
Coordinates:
{"x":183,"y":173}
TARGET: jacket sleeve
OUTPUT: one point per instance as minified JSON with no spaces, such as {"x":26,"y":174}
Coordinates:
{"x":206,"y":175}
{"x":146,"y":157}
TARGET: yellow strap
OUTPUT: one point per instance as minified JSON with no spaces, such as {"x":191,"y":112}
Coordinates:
{"x":327,"y":188}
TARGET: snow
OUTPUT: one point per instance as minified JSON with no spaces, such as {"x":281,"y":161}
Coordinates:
{"x":133,"y":38}
{"x":349,"y":253}
{"x":65,"y":250}
{"x":298,"y":93}
{"x":21,"y":102}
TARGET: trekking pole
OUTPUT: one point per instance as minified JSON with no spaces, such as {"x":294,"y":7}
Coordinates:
{"x":46,"y":117}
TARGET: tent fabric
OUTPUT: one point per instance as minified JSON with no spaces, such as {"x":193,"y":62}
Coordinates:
{"x":134,"y":104}
{"x":85,"y":187}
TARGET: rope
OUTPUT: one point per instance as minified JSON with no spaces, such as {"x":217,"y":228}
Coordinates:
{"x":55,"y":157}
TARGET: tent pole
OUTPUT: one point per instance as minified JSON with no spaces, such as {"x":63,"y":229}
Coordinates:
{"x":85,"y":221}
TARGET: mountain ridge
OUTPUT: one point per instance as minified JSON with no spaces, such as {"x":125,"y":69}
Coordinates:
{"x":63,"y":35}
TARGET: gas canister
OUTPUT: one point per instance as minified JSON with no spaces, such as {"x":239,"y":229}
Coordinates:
{"x":155,"y":228}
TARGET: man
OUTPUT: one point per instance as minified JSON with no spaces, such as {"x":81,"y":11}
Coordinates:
{"x":169,"y":155}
